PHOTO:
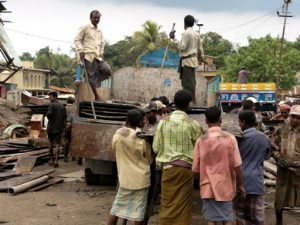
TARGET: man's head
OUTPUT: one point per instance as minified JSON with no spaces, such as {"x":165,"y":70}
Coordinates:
{"x":52,"y":96}
{"x":284,"y":110}
{"x":182,"y":99}
{"x":248,"y":105}
{"x":189,"y":21}
{"x":295,"y":116}
{"x":133,"y":118}
{"x":213,"y":116}
{"x":70,"y":100}
{"x":95,"y":17}
{"x":167,"y":103}
{"x":151,"y":110}
{"x":247,"y":119}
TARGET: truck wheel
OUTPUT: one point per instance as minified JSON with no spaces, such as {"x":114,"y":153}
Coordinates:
{"x":91,"y":178}
{"x":110,"y":180}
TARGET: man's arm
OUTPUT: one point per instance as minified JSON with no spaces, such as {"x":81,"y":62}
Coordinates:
{"x":78,"y":42}
{"x":240,"y":179}
{"x":50,"y":112}
{"x":196,"y":161}
{"x":102,"y":44}
{"x":183,"y":43}
{"x":158,"y":139}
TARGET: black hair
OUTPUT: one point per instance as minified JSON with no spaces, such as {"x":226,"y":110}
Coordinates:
{"x":53,"y":94}
{"x":182,"y":99}
{"x":164,"y":100}
{"x":70,"y":100}
{"x":248,"y":105}
{"x":141,"y":111}
{"x":134,"y":117}
{"x":189,"y":21}
{"x":94,"y":11}
{"x":154,"y":99}
{"x":213,"y":114}
{"x":248,"y":117}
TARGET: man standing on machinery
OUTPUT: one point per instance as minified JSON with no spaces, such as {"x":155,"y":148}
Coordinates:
{"x":89,"y":43}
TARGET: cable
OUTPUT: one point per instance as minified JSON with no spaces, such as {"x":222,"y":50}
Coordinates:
{"x":224,"y":30}
{"x":255,"y":28}
{"x":38,"y":36}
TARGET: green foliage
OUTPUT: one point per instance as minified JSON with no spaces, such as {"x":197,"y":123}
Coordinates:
{"x":147,"y":40}
{"x":118,"y":55}
{"x":215,"y":45}
{"x":26,"y":56}
{"x":61,"y":65}
{"x":260,"y":57}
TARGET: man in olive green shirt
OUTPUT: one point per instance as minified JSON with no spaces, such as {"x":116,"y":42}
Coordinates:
{"x":174,"y":145}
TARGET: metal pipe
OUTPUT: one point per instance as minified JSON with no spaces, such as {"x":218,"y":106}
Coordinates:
{"x":24,"y":187}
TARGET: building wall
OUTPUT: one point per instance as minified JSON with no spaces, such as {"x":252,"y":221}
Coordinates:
{"x":142,"y":84}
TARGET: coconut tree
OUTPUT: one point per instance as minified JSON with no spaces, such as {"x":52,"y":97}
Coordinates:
{"x":147,"y":40}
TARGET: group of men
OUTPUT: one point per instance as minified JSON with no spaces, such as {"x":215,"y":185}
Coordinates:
{"x":231,"y":169}
{"x":89,"y":44}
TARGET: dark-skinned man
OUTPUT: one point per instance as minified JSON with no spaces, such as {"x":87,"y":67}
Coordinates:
{"x":191,"y":54}
{"x":286,"y":143}
{"x":89,"y":44}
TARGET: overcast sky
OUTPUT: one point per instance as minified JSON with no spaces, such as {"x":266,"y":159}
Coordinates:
{"x":59,"y":20}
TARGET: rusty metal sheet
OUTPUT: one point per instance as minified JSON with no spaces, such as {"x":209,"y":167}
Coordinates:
{"x":230,"y":123}
{"x":93,"y":140}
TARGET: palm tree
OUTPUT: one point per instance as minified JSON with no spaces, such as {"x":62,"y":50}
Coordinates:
{"x":147,"y":40}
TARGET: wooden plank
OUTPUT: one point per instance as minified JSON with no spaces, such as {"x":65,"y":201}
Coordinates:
{"x":13,"y":157}
{"x":25,"y":164}
{"x":269,"y":175}
{"x":6,"y":184}
{"x":9,"y":174}
{"x":270,"y":167}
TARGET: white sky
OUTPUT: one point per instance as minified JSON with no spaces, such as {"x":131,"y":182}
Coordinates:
{"x":61,"y":19}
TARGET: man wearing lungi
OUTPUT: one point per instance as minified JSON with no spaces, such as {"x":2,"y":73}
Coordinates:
{"x":286,"y":143}
{"x":174,"y":145}
{"x":89,"y":43}
{"x":133,"y":156}
{"x":255,"y":148}
{"x":218,"y":161}
{"x":191,"y":54}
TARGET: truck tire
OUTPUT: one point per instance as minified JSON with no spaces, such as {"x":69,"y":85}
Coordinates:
{"x":100,"y":179}
{"x":91,"y":178}
{"x":110,"y":180}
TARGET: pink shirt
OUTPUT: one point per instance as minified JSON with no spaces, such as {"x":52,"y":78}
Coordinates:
{"x":216,"y":156}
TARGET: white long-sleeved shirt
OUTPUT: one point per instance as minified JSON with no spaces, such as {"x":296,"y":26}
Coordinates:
{"x":90,"y":41}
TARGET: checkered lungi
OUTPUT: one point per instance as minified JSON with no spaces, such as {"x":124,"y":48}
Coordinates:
{"x":251,"y":209}
{"x":130,"y":204}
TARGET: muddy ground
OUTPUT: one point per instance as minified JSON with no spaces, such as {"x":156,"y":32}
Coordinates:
{"x":75,"y":203}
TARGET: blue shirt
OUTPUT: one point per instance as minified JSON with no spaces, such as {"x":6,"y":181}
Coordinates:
{"x":255,"y":147}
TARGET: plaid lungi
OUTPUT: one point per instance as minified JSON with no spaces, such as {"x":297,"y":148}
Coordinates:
{"x":130,"y":204}
{"x":251,"y":209}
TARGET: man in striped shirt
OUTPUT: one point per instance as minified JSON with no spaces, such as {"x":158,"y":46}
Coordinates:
{"x":174,"y":145}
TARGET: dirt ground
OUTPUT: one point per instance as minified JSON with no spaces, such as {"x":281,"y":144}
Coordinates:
{"x":75,"y":203}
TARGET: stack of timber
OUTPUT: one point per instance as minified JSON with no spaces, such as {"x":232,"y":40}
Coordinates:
{"x":270,"y":172}
{"x":12,"y":149}
{"x":18,"y":161}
